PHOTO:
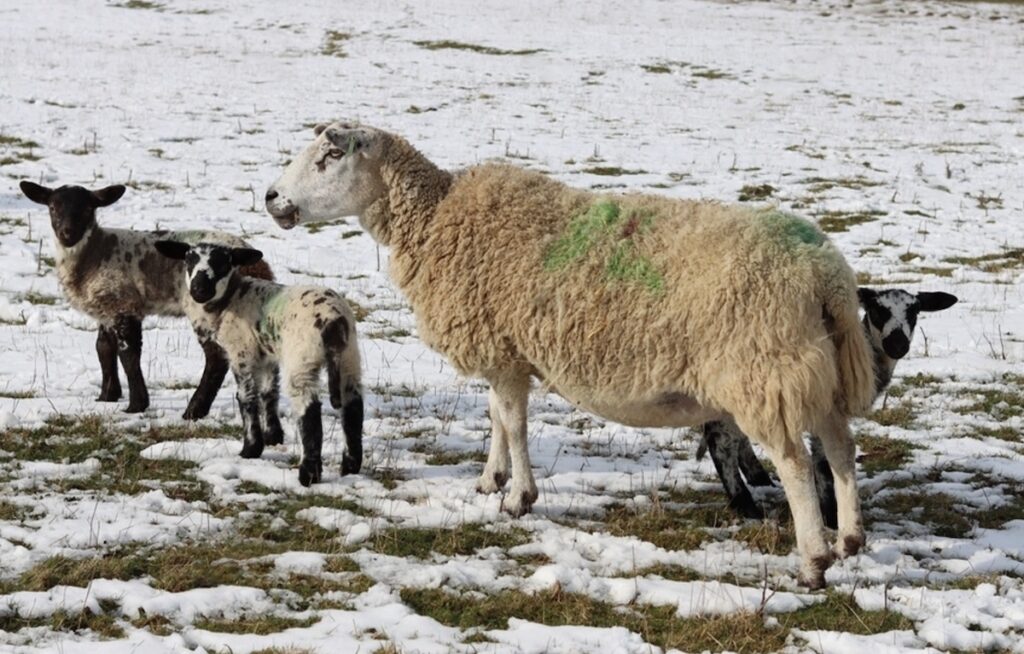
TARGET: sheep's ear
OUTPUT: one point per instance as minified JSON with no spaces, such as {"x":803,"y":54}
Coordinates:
{"x":172,"y":249}
{"x":36,"y":193}
{"x":245,"y":256}
{"x":935,"y":301}
{"x":350,"y":140}
{"x":320,"y":127}
{"x":108,"y":196}
{"x":866,"y":295}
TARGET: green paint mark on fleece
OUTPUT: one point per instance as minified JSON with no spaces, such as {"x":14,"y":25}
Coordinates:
{"x":602,"y":222}
{"x":192,"y":237}
{"x":270,"y":315}
{"x":793,"y":227}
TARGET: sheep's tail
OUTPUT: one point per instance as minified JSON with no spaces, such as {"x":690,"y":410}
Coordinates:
{"x":259,"y":270}
{"x":854,"y":358}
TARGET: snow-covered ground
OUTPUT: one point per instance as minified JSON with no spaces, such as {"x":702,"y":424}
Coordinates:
{"x":899,"y":125}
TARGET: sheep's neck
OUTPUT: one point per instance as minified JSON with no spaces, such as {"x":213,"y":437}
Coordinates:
{"x":883,"y":363}
{"x":415,"y":186}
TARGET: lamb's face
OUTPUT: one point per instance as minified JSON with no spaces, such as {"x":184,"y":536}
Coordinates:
{"x":337,"y":175}
{"x":208,"y":267}
{"x":72,"y":208}
{"x":892,"y":316}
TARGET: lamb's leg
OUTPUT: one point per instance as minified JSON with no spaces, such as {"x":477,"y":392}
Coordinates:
{"x":751,"y":466}
{"x":106,"y":350}
{"x":824,"y":483}
{"x":496,"y":470}
{"x":352,"y":425}
{"x":512,"y":392}
{"x":129,"y":350}
{"x":794,"y":467}
{"x":724,"y":446}
{"x":215,"y":370}
{"x":249,"y":406}
{"x":303,"y":390}
{"x":273,"y":433}
{"x":841,"y":452}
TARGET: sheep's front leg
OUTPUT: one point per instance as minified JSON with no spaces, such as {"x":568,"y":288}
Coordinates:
{"x":794,"y":467}
{"x":352,"y":425}
{"x":724,"y":446}
{"x":841,"y":452}
{"x":303,"y":390}
{"x":512,"y":394}
{"x":273,"y":434}
{"x":129,"y":350}
{"x":496,"y":470}
{"x":106,"y":351}
{"x":249,"y":406}
{"x":214,"y":371}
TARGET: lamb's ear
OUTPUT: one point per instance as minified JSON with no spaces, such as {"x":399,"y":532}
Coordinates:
{"x":866,"y":295}
{"x":320,"y":127}
{"x":36,"y":193}
{"x":172,"y":249}
{"x":350,"y":140}
{"x":245,"y":256}
{"x":108,"y":196}
{"x":935,"y":301}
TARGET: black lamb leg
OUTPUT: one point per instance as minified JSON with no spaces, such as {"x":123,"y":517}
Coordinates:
{"x":249,"y":406}
{"x":352,"y":425}
{"x":214,"y":371}
{"x":129,"y":350}
{"x":311,"y":432}
{"x":106,"y":351}
{"x":751,"y":465}
{"x":824,"y":483}
{"x":723,"y":446}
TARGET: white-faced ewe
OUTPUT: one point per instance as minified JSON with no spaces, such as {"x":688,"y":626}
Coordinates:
{"x":890,"y":317}
{"x":649,"y":311}
{"x":261,"y":324}
{"x":117,"y":277}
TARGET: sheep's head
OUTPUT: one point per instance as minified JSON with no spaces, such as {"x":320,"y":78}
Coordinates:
{"x":209,"y":268}
{"x":337,"y":175}
{"x":891,"y":315}
{"x":72,"y":208}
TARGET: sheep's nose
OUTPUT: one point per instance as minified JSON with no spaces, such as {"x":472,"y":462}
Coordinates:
{"x":271,"y":194}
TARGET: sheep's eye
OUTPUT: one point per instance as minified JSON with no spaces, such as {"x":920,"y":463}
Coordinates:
{"x":331,"y":153}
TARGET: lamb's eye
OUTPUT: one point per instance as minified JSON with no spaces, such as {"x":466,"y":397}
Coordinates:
{"x":336,"y":153}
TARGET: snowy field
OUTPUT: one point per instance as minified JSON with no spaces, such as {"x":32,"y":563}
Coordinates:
{"x":899,"y":126}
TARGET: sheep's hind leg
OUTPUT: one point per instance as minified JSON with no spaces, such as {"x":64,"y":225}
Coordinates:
{"x":824,"y":483}
{"x":214,"y":371}
{"x":249,"y":406}
{"x":496,"y":470}
{"x":344,"y":394}
{"x":129,"y":350}
{"x":841,"y":452}
{"x":724,"y":447}
{"x":304,"y":393}
{"x":513,"y":394}
{"x":273,"y":433}
{"x":794,"y":467}
{"x":352,"y":425}
{"x":106,"y":351}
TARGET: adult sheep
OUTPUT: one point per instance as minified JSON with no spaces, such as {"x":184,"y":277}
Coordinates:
{"x":649,"y":311}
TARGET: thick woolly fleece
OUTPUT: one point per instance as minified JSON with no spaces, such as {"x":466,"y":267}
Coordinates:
{"x":638,"y":308}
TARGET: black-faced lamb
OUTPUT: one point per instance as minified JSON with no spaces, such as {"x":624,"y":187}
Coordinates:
{"x":117,"y":277}
{"x":647,"y":310}
{"x":890,"y":317}
{"x":261,"y":324}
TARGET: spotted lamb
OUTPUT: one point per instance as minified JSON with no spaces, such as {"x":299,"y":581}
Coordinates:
{"x":116,"y":277}
{"x":261,"y":324}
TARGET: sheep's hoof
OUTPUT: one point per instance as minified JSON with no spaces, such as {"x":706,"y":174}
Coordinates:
{"x":274,"y":437}
{"x":310,"y":471}
{"x":109,"y":396}
{"x":491,"y":482}
{"x":251,"y":450}
{"x":814,"y":578}
{"x":520,"y":503}
{"x":747,"y":508}
{"x":137,"y":407}
{"x":849,"y":545}
{"x":195,"y":413}
{"x":350,"y":465}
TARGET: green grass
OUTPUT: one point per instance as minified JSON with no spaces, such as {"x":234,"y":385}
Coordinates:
{"x":461,"y":540}
{"x":756,"y":192}
{"x":999,"y":403}
{"x":103,"y":625}
{"x":472,"y":47}
{"x":612,"y":171}
{"x":139,"y":4}
{"x":1010,"y":259}
{"x":261,"y":625}
{"x":842,"y":221}
{"x":33,"y":297}
{"x":881,"y":453}
{"x":17,"y":395}
{"x":333,"y":41}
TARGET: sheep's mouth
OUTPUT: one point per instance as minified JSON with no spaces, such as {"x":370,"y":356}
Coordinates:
{"x":288,"y":220}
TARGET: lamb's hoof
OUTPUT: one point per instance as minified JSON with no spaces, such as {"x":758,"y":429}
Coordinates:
{"x":519,"y":504}
{"x":251,"y":450}
{"x":109,"y":396}
{"x":137,"y":407}
{"x":814,"y":577}
{"x":195,"y":413}
{"x":310,"y":471}
{"x":350,"y":465}
{"x":747,"y":508}
{"x":491,"y":482}
{"x":849,"y":545}
{"x":274,"y":437}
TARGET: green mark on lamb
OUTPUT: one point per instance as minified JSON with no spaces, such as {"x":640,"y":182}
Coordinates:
{"x":192,"y":236}
{"x":793,"y":227}
{"x":605,"y":223}
{"x":271,"y":314}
